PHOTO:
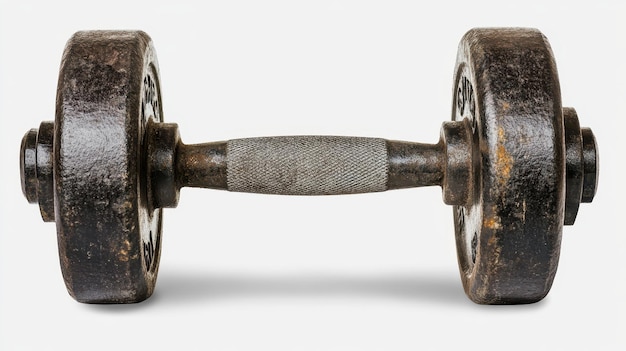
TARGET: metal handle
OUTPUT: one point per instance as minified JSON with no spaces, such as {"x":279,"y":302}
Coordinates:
{"x":289,"y":165}
{"x":307,"y":165}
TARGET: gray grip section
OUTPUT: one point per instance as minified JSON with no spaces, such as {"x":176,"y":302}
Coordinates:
{"x":307,"y":165}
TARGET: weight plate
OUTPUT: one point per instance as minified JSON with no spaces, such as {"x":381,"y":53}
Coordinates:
{"x":508,"y":235}
{"x":109,"y":240}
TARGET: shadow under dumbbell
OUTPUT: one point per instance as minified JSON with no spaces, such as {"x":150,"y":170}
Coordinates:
{"x":182,"y":288}
{"x":193,"y":287}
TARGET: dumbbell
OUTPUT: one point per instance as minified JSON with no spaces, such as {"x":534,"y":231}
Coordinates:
{"x":513,"y":163}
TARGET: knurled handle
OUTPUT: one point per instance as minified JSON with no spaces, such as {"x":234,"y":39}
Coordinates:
{"x":307,"y":165}
{"x":287,"y":165}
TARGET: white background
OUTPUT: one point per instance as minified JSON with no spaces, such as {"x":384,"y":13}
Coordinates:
{"x":360,"y":272}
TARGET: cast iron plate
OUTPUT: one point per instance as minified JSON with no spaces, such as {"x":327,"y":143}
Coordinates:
{"x":109,"y":241}
{"x":508,"y":235}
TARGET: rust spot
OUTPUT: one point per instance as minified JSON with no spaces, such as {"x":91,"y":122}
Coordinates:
{"x":492,"y":222}
{"x":504,"y":161}
{"x":122,"y":254}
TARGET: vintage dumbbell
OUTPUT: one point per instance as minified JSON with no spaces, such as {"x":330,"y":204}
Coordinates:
{"x":514,"y":164}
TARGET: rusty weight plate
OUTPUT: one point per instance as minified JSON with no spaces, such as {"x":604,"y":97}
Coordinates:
{"x":509,"y":234}
{"x":109,"y":240}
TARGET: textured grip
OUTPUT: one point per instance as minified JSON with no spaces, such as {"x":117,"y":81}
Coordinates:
{"x":307,"y":165}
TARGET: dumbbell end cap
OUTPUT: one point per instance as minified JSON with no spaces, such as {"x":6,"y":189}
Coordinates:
{"x":581,"y":165}
{"x":28,"y":165}
{"x":590,"y":164}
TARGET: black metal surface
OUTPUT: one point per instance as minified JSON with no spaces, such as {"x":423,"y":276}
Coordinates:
{"x":509,"y":236}
{"x":409,"y":164}
{"x":173,"y":164}
{"x":28,"y":166}
{"x":162,"y":143}
{"x":36,"y":162}
{"x":202,"y":165}
{"x":513,"y":162}
{"x":574,"y":168}
{"x":414,"y":164}
{"x":459,"y":175}
{"x":109,"y":241}
{"x":591,"y":165}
